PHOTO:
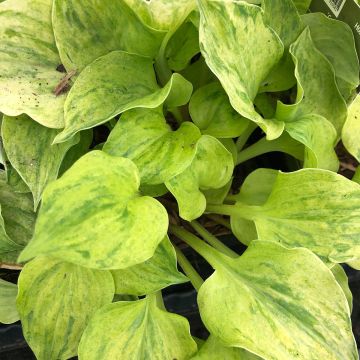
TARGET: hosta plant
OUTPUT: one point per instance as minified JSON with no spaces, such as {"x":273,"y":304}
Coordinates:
{"x":122,"y":124}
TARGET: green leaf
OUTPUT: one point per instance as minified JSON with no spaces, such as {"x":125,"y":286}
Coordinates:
{"x":87,"y":30}
{"x":212,"y":112}
{"x":213,"y":349}
{"x":182,"y":46}
{"x":243,"y":61}
{"x":282,"y":76}
{"x":143,"y":136}
{"x":351,"y":129}
{"x":317,"y":90}
{"x":275,"y":12}
{"x":335,"y":40}
{"x":162,"y":14}
{"x":154,"y":274}
{"x":9,"y":250}
{"x":103,"y":190}
{"x":263,"y":303}
{"x":198,"y":74}
{"x":302,"y":5}
{"x":56,"y":300}
{"x":37,"y":161}
{"x":311,"y":208}
{"x":17,"y":212}
{"x":254,"y":191}
{"x":28,"y":62}
{"x":8,"y":312}
{"x":211,"y":168}
{"x":319,"y":137}
{"x":113,"y":84}
{"x":136,"y":330}
{"x":341,"y":278}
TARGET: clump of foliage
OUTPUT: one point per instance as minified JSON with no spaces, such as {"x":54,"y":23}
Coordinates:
{"x":121,"y":117}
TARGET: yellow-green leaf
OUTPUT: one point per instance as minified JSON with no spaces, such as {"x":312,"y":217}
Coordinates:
{"x":8,"y":293}
{"x":154,"y":274}
{"x":342,"y":279}
{"x":241,"y":51}
{"x":351,"y":129}
{"x":56,"y":301}
{"x":213,"y":349}
{"x":143,"y":136}
{"x":211,"y":168}
{"x":317,"y":89}
{"x":263,"y":303}
{"x":90,"y":29}
{"x":114,"y":83}
{"x":94,"y":216}
{"x":136,"y":330}
{"x":28,"y":147}
{"x":311,"y":208}
{"x":28,"y":62}
{"x":211,"y":111}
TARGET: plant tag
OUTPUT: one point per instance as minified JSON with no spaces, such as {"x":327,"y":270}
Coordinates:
{"x":344,"y":10}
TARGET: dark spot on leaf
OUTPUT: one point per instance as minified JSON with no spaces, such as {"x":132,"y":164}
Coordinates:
{"x":61,"y":68}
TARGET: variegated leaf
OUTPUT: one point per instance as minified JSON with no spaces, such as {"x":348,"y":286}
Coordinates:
{"x":351,"y":129}
{"x":319,"y":137}
{"x":115,"y":83}
{"x":212,"y":112}
{"x":100,"y":27}
{"x":136,"y":330}
{"x":94,"y":216}
{"x":53,"y":328}
{"x":317,"y":90}
{"x":154,"y":274}
{"x":211,"y":168}
{"x":335,"y":40}
{"x":162,"y":14}
{"x":263,"y":303}
{"x":143,"y":136}
{"x":213,"y":349}
{"x":28,"y":147}
{"x":8,"y":293}
{"x":311,"y":208}
{"x":28,"y":62}
{"x":241,"y":51}
{"x":342,"y":279}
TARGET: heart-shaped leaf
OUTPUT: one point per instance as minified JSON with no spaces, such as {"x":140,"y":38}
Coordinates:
{"x":143,"y":136}
{"x":247,"y":56}
{"x":277,"y":311}
{"x":100,"y":27}
{"x":211,"y":168}
{"x":53,"y":328}
{"x":8,"y":293}
{"x":103,"y":190}
{"x":136,"y":330}
{"x":342,"y":279}
{"x":212,"y":112}
{"x":28,"y":62}
{"x":113,"y":84}
{"x":154,"y":274}
{"x":28,"y":147}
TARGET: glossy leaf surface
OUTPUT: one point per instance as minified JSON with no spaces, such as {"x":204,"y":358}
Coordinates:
{"x":53,"y":328}
{"x":136,"y":330}
{"x":103,"y":190}
{"x":275,"y":311}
